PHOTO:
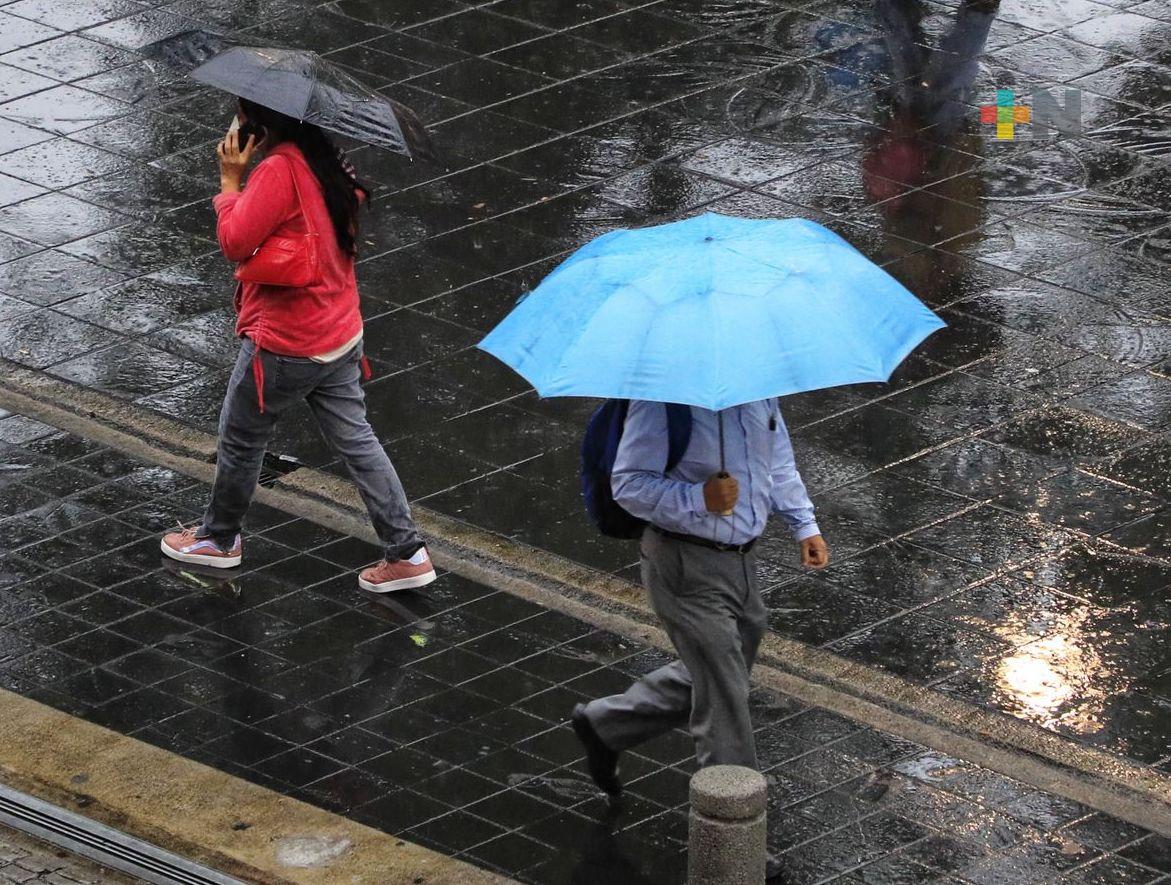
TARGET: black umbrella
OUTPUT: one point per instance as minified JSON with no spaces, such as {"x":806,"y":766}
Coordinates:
{"x":302,"y":85}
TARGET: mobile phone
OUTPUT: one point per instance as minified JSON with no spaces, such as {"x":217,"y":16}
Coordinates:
{"x":243,"y":130}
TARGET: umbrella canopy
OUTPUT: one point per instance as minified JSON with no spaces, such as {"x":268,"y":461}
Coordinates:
{"x":713,"y":312}
{"x":302,"y":85}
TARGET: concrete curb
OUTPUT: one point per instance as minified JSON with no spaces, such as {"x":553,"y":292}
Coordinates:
{"x":996,"y":741}
{"x":239,"y":828}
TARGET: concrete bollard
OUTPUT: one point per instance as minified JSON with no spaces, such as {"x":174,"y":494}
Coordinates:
{"x":727,"y":828}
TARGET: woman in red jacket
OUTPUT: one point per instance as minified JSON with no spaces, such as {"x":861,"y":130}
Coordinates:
{"x":299,"y":343}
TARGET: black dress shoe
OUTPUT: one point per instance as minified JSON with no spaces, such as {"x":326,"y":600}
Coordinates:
{"x":600,"y":759}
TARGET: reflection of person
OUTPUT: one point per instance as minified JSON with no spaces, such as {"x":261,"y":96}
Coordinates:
{"x":923,"y":142}
{"x":300,"y":342}
{"x":700,"y":572}
{"x":932,"y":86}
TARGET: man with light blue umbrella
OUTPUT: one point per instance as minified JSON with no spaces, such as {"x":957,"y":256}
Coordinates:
{"x":699,"y":568}
{"x":707,"y":319}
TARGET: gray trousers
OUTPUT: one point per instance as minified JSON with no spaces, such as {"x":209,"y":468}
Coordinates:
{"x":710,"y":605}
{"x":334,"y":394}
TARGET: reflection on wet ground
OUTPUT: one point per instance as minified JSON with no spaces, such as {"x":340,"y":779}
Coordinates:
{"x":999,"y":510}
{"x":441,"y":717}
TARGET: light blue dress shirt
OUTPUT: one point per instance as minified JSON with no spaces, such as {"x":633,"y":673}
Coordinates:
{"x":757,"y":453}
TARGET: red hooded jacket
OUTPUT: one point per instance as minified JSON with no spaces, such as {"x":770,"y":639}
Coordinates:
{"x":280,"y":319}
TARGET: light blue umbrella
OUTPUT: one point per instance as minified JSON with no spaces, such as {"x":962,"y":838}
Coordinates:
{"x":713,"y":312}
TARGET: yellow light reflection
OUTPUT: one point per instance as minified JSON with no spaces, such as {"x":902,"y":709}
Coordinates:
{"x":1059,"y":679}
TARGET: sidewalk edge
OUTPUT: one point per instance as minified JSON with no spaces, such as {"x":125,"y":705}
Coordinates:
{"x":1010,"y":746}
{"x":212,"y":817}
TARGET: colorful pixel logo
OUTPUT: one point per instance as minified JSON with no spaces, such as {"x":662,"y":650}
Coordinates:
{"x":1006,"y":114}
{"x":1047,"y":115}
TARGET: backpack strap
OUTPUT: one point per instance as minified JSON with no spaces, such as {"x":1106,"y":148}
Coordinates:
{"x":679,"y":421}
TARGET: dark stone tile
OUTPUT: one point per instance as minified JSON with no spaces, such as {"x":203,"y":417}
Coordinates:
{"x":133,"y":710}
{"x":331,"y":30}
{"x":992,"y":539}
{"x":1145,"y":536}
{"x":132,"y":248}
{"x":68,"y":57}
{"x":148,"y":666}
{"x":480,"y":81}
{"x":352,"y":746}
{"x":401,"y":810}
{"x":128,"y":371}
{"x":962,"y":403}
{"x":815,"y":612}
{"x":155,"y":195}
{"x":1059,"y":436}
{"x":64,"y":109}
{"x":1147,"y":467}
{"x":919,"y":648}
{"x":60,"y":163}
{"x":245,"y":746}
{"x":401,"y":15}
{"x":1154,"y":851}
{"x":560,"y":55}
{"x":904,"y":573}
{"x":299,"y":767}
{"x":663,"y":189}
{"x":1141,"y":398}
{"x":637,"y":31}
{"x":477,"y":31}
{"x":50,"y":276}
{"x":98,"y":646}
{"x":1081,"y":501}
{"x":456,"y":831}
{"x":373,"y":67}
{"x":54,"y":219}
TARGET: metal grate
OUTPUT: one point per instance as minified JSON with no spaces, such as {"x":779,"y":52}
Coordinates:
{"x":104,"y":845}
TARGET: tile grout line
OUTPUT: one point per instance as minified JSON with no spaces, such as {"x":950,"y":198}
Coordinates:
{"x":1020,"y":750}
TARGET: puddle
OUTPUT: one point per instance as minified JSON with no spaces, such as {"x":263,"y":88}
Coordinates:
{"x":310,"y":851}
{"x":567,"y":788}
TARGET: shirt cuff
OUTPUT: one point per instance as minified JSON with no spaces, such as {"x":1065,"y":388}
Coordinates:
{"x":695,"y":501}
{"x":809,"y":530}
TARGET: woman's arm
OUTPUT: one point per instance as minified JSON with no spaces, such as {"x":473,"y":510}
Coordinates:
{"x":247,"y":219}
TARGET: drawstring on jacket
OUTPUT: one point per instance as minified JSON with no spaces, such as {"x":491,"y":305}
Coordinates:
{"x":258,"y":377}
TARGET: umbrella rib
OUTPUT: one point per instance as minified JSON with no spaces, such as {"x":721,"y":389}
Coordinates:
{"x":718,"y":355}
{"x":634,"y":286}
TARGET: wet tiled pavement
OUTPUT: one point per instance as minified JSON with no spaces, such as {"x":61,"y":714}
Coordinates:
{"x":999,"y":512}
{"x":440,"y":716}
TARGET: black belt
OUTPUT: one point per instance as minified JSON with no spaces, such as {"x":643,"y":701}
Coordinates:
{"x":704,"y":542}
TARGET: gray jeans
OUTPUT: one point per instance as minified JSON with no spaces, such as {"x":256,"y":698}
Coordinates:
{"x":334,"y":394}
{"x":710,"y":605}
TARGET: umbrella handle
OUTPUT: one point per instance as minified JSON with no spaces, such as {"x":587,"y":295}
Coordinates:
{"x":723,"y":474}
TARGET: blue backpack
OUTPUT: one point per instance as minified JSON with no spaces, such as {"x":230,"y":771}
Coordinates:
{"x":599,"y":448}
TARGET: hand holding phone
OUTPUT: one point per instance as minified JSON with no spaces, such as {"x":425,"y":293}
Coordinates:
{"x":235,"y":152}
{"x":247,"y":130}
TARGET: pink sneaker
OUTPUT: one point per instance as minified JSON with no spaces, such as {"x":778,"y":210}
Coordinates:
{"x":185,"y":547}
{"x":401,"y":574}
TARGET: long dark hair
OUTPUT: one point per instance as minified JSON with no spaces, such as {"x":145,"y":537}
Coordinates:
{"x":338,"y":182}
